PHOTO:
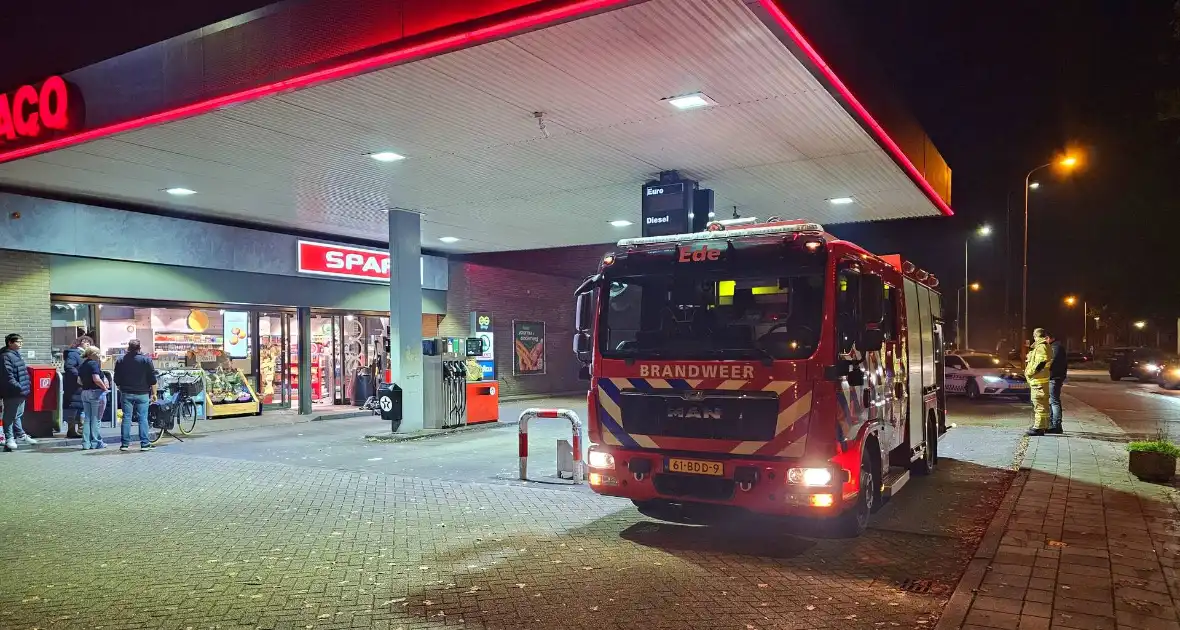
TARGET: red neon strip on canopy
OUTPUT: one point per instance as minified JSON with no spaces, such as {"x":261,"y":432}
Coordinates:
{"x":829,"y":74}
{"x":523,"y":23}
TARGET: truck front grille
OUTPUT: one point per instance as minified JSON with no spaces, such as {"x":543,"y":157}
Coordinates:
{"x":717,"y":416}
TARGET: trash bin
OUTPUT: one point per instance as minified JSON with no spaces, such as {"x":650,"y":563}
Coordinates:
{"x":389,"y":401}
{"x":362,"y":387}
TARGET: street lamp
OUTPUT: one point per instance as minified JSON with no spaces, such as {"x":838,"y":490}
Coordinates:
{"x":1034,"y":185}
{"x":982,"y":231}
{"x":1139,"y":325}
{"x":1066,"y":162}
{"x":974,"y":286}
{"x":1071,"y":301}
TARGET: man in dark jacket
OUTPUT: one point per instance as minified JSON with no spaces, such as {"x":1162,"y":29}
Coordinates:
{"x":1057,"y":370}
{"x":71,"y":385}
{"x":135,"y":377}
{"x":15,"y":386}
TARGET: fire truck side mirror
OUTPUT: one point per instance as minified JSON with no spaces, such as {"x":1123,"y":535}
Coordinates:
{"x":584,"y":313}
{"x":582,"y":346}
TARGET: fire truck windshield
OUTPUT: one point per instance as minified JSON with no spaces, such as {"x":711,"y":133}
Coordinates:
{"x":695,"y":317}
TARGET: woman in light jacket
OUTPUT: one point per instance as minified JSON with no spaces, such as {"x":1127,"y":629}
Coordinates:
{"x":94,"y":397}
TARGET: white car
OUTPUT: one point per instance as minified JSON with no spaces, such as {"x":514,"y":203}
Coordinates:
{"x":977,"y":374}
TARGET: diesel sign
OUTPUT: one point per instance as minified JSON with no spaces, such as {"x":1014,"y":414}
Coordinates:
{"x":666,"y":207}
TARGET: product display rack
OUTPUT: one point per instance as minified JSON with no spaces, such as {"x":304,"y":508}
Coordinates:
{"x":218,"y":409}
{"x":179,"y":343}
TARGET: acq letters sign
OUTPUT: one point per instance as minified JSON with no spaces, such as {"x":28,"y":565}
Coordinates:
{"x":33,"y":112}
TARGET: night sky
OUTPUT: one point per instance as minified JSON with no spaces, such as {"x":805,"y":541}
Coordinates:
{"x":1000,"y":87}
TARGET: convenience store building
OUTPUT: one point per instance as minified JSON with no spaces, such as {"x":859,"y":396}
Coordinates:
{"x":488,"y":150}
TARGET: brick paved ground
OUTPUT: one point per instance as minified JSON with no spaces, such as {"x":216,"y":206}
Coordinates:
{"x":1086,"y":545}
{"x":176,"y":539}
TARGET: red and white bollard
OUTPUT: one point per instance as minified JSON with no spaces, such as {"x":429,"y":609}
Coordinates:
{"x":523,"y":446}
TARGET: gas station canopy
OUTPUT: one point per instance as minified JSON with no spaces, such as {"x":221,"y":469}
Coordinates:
{"x":532,"y":125}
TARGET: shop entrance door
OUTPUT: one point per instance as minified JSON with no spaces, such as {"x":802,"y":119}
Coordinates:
{"x":276,"y":374}
{"x":326,"y":388}
{"x":344,"y":357}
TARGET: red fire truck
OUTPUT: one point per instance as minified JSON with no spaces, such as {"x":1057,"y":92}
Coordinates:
{"x":768,"y":366}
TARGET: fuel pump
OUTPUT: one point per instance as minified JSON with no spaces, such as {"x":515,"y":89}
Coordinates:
{"x":444,"y":383}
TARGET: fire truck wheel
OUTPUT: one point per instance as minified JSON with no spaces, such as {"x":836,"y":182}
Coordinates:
{"x":929,"y":460}
{"x":855,"y":520}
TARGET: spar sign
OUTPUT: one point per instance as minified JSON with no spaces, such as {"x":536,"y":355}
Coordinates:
{"x":343,"y":261}
{"x":346,"y":261}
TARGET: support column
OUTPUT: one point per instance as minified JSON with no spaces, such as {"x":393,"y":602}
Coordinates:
{"x":303,"y":325}
{"x":405,"y":313}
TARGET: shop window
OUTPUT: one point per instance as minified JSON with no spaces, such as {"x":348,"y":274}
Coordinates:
{"x":67,"y":322}
{"x":185,"y":339}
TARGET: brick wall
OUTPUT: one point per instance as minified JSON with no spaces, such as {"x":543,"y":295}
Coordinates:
{"x":430,"y":324}
{"x":508,"y":286}
{"x":24,"y":301}
{"x":569,"y":262}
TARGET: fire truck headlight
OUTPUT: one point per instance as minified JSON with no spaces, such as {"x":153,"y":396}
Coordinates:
{"x":598,"y":459}
{"x":809,"y":476}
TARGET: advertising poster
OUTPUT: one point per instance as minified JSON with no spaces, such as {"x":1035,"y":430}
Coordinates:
{"x":528,"y":347}
{"x":235,"y":334}
{"x":486,"y":359}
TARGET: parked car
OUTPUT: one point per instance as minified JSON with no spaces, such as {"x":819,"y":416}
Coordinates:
{"x":980,"y":374}
{"x":1142,"y":363}
{"x":1079,"y":357}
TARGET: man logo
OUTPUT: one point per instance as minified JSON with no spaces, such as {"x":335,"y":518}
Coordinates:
{"x":695,"y":411}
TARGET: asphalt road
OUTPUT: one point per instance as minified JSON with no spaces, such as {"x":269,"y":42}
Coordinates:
{"x":1140,"y":409}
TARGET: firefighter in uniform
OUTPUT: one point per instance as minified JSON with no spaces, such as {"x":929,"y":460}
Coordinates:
{"x":1036,"y":370}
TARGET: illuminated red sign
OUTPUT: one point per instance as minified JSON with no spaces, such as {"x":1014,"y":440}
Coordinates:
{"x":34,"y":112}
{"x":343,"y":261}
{"x":688,"y":254}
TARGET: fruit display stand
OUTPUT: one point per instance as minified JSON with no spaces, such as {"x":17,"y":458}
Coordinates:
{"x":229,"y":393}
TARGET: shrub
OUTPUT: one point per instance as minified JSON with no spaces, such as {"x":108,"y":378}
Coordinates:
{"x":1155,"y":446}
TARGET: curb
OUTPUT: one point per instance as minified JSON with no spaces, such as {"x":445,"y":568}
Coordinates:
{"x":959,"y":605}
{"x":393,"y":438}
{"x":325,"y":417}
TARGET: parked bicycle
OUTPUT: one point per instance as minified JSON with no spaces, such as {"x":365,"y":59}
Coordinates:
{"x":177,"y":411}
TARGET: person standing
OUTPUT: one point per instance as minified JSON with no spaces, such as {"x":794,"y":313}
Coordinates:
{"x":1058,"y":368}
{"x":1036,"y":370}
{"x":15,"y":386}
{"x":72,"y":385}
{"x":94,"y":397}
{"x":135,"y":377}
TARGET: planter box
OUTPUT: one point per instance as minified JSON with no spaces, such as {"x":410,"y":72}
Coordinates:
{"x":1151,"y":466}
